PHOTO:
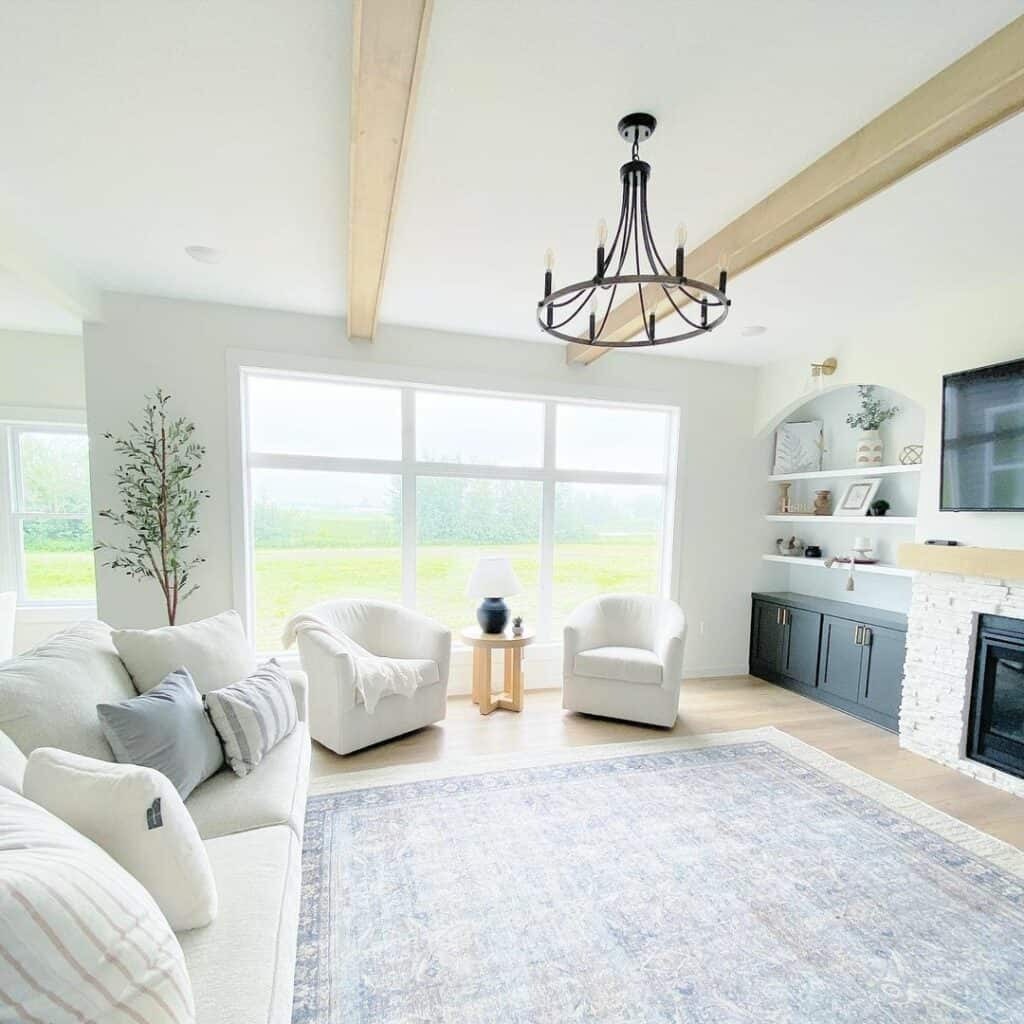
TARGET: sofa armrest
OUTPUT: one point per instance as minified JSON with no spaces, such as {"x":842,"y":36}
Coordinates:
{"x":582,"y":632}
{"x":300,"y":688}
{"x":670,"y":643}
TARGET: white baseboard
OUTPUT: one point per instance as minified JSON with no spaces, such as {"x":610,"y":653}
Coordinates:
{"x":716,"y":672}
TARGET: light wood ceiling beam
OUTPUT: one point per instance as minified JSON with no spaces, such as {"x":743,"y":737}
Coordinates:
{"x":982,"y":88}
{"x":389,"y":41}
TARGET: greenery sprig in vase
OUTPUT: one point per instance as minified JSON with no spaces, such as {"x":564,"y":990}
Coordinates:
{"x":159,"y":503}
{"x":869,"y":420}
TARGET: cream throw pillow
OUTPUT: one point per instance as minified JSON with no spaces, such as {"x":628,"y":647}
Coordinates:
{"x":80,"y":939}
{"x":136,"y":815}
{"x":214,"y":651}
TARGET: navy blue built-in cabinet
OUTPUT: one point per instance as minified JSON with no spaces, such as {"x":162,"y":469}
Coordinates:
{"x":846,"y":655}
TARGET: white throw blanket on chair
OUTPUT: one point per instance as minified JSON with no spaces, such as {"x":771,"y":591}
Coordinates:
{"x":374,"y":677}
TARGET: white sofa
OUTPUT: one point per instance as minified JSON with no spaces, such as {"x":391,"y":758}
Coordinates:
{"x":338,"y":717}
{"x":623,"y":658}
{"x":242,"y":966}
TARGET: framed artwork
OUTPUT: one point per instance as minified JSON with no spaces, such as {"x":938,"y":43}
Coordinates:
{"x":798,"y":447}
{"x":857,"y":497}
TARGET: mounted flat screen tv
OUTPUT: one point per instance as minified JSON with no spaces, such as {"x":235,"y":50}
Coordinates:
{"x":983,"y":439}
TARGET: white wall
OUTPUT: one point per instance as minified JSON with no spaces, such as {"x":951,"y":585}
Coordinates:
{"x":43,"y":371}
{"x":184,"y":347}
{"x":910,"y":354}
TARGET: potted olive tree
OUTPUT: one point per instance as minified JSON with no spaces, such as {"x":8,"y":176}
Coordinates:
{"x":159,"y":503}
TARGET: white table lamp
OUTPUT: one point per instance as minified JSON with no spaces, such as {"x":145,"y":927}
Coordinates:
{"x":493,"y":580}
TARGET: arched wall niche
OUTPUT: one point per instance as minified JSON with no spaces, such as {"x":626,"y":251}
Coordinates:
{"x":831,"y":405}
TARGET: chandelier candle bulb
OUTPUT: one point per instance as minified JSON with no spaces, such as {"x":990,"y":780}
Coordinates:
{"x":680,"y":249}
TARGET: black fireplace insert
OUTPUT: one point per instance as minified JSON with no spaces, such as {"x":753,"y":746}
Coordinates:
{"x":995,"y":734}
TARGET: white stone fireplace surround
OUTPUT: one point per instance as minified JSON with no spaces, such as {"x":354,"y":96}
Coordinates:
{"x":939,"y":671}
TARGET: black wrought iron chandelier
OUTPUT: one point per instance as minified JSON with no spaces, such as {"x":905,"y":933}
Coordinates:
{"x":700,"y":306}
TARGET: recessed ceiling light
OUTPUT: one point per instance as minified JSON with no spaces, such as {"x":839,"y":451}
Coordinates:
{"x":203,"y":253}
{"x":753,"y":330}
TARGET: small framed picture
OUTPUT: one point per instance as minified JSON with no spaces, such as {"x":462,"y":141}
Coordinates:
{"x":857,"y":498}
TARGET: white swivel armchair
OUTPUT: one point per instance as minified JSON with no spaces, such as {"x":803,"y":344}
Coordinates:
{"x":624,"y":658}
{"x":345,"y":643}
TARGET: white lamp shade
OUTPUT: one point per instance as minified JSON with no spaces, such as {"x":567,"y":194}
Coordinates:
{"x":493,"y":577}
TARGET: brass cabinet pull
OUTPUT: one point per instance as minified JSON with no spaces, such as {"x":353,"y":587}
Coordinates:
{"x":858,"y":636}
{"x":787,"y":616}
{"x":778,"y":616}
{"x":866,"y":636}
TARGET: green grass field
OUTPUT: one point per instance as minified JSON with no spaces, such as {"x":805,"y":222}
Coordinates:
{"x":60,"y":575}
{"x":288,"y":579}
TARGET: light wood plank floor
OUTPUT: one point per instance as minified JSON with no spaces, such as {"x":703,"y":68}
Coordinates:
{"x":706,"y":705}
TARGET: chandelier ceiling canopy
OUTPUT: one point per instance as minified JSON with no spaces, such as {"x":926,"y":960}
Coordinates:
{"x":579,"y":312}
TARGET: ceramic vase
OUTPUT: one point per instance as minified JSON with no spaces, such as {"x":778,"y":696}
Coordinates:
{"x":823,"y":503}
{"x":869,"y":448}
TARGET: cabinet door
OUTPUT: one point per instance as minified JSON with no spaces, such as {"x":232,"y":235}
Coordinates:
{"x":766,"y":637}
{"x":803,"y":633}
{"x":882,"y":671}
{"x":841,"y":654}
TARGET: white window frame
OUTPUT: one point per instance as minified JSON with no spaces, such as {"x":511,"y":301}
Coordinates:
{"x":408,"y":468}
{"x":14,"y":422}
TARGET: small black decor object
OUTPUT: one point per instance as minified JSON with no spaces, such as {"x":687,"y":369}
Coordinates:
{"x":879,"y":507}
{"x":812,"y":551}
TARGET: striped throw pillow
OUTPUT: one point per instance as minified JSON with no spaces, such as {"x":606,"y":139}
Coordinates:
{"x":253,"y":716}
{"x":80,"y":939}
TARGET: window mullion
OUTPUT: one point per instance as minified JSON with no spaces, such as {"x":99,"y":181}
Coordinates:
{"x":547,"y":525}
{"x":9,"y":576}
{"x":408,"y":557}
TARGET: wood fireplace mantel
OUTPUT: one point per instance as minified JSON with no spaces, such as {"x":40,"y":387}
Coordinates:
{"x":996,"y":563}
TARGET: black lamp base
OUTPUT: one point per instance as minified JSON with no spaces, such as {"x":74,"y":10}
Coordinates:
{"x":492,"y":615}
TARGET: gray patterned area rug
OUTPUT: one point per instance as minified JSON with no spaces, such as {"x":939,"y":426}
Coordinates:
{"x":744,"y":877}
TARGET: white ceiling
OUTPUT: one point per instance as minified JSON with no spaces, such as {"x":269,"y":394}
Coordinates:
{"x":516,"y":150}
{"x":142,"y":127}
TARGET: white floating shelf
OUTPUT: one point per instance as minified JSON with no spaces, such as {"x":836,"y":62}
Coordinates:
{"x":848,"y":520}
{"x":819,"y":563}
{"x":836,"y":474}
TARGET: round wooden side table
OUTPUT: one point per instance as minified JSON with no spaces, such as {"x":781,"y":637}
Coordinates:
{"x":484,"y":644}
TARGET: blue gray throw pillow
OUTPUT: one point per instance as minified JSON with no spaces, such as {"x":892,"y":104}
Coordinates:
{"x":165,"y":728}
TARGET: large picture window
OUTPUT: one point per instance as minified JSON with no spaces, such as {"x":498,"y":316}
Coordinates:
{"x":394,"y":491}
{"x":46,"y":551}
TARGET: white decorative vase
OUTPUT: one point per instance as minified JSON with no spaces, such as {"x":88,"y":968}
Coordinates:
{"x":869,"y":448}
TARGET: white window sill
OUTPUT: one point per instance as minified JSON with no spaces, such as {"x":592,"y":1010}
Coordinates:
{"x":54,"y":612}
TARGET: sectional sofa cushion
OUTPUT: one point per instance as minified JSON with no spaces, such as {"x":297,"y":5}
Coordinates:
{"x":252,"y":716}
{"x":214,"y":650}
{"x":167,"y":729}
{"x":274,"y":794}
{"x":81,"y":939}
{"x":243,"y":965}
{"x":12,"y":764}
{"x":48,"y":696}
{"x":136,"y":815}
